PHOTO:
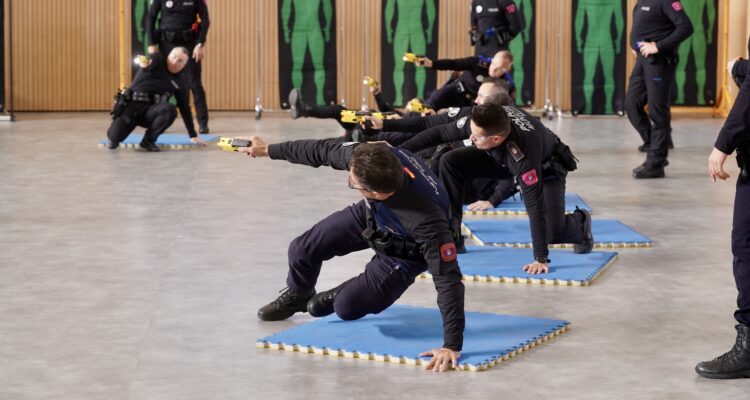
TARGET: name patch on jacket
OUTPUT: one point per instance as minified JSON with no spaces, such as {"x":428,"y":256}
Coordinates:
{"x":448,"y":252}
{"x":515,"y":152}
{"x":530,"y":178}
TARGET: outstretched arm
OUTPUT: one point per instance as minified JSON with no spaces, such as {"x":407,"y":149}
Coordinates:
{"x":307,"y":152}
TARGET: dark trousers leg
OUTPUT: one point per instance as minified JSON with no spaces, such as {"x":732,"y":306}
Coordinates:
{"x":157,"y":119}
{"x":457,"y":170}
{"x":331,"y":112}
{"x":659,"y":78}
{"x":636,"y":99}
{"x":336,"y":235}
{"x":123,"y":125}
{"x":446,"y":96}
{"x":196,"y":87}
{"x":561,"y":227}
{"x":395,"y":138}
{"x":741,"y":250}
{"x":374,"y":290}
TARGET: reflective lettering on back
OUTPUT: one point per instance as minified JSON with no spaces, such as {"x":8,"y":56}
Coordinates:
{"x":518,"y":119}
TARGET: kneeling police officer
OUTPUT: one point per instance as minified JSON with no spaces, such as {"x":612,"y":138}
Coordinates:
{"x":403,"y":217}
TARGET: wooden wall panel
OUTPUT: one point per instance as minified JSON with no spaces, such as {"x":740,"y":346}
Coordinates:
{"x":65,"y":54}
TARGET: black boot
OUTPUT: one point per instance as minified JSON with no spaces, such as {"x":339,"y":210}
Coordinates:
{"x":321,"y":304}
{"x":148,"y":145}
{"x":112,"y":145}
{"x":588,"y":238}
{"x":647,"y":171}
{"x":733,"y":364}
{"x":286,"y":305}
{"x":297,"y":107}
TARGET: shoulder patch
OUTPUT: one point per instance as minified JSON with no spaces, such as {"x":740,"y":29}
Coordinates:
{"x":530,"y":177}
{"x":461,"y":122}
{"x":453,"y":111}
{"x":511,"y":8}
{"x":514,"y":151}
{"x":677,"y":6}
{"x":448,"y":252}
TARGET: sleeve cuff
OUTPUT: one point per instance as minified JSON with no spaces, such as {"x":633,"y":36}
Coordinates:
{"x":274,"y":151}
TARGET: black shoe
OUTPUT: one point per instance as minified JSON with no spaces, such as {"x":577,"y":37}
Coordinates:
{"x":149,"y":145}
{"x":643,"y":148}
{"x":286,"y":305}
{"x":112,"y":145}
{"x":321,"y":304}
{"x":646,"y":171}
{"x":204,"y":129}
{"x":733,"y":364}
{"x":587,"y":244}
{"x":296,"y":106}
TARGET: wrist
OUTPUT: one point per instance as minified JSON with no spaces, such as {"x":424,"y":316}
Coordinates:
{"x":542,"y":259}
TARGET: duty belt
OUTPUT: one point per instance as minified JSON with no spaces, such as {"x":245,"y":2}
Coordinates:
{"x":390,"y":245}
{"x":143,"y":97}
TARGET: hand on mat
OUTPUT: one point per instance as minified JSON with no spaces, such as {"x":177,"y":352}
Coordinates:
{"x":536,"y":268}
{"x":716,"y":165}
{"x":441,"y":359}
{"x":480,"y":205}
{"x":259,"y":148}
{"x":199,"y":141}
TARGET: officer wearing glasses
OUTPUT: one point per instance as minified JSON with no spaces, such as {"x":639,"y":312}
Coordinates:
{"x":403,"y":216}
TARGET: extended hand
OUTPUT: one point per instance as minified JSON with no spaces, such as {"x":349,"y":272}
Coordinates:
{"x":425,"y":62}
{"x":441,"y":359}
{"x":153,"y":49}
{"x":199,"y":141}
{"x":648,"y":48}
{"x":258,"y":149}
{"x":480,"y":205}
{"x":536,"y":268}
{"x":375,"y":123}
{"x":716,"y":165}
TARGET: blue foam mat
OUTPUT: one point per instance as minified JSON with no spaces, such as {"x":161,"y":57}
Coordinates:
{"x":401,"y":332}
{"x":516,"y":233}
{"x":515,"y":206}
{"x":166,"y":139}
{"x":502,"y":264}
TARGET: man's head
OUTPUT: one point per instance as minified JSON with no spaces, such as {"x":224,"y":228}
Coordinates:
{"x":177,"y":60}
{"x":375,"y":171}
{"x":501,"y":63}
{"x":490,"y":125}
{"x":489,"y":87}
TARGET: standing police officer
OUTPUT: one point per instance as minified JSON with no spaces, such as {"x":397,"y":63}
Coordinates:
{"x":735,"y":136}
{"x":403,"y":217}
{"x":659,"y":26}
{"x":179,"y":26}
{"x":494,"y":23}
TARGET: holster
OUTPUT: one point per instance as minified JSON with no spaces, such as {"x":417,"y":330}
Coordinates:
{"x":120,"y":103}
{"x":561,"y":161}
{"x":390,"y":245}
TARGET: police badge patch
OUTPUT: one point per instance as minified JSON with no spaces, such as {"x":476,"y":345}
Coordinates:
{"x":169,"y":4}
{"x":461,"y":122}
{"x":453,"y":111}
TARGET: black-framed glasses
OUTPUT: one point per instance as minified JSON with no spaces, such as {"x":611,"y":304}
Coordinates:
{"x":351,"y":185}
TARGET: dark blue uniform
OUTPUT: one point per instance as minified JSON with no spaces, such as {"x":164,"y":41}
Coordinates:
{"x":663,"y":22}
{"x":416,"y":213}
{"x":178,"y":26}
{"x":735,"y":135}
{"x":494,"y":23}
{"x":155,"y":114}
{"x":524,"y":156}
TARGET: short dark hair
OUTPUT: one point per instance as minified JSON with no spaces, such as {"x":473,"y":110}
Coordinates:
{"x":376,"y":167}
{"x":499,"y":98}
{"x":491,"y":117}
{"x":499,"y":84}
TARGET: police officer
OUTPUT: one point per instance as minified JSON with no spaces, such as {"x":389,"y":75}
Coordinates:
{"x":494,"y":23}
{"x":509,"y":143}
{"x":179,"y":26}
{"x":659,"y":26}
{"x":461,"y":91}
{"x":145,"y":103}
{"x":735,"y":136}
{"x":403,"y":217}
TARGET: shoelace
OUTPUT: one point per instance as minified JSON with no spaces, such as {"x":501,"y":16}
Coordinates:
{"x":735,"y":350}
{"x":286,"y":296}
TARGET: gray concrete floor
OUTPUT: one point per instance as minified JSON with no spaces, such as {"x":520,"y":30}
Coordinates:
{"x":129,"y":275}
